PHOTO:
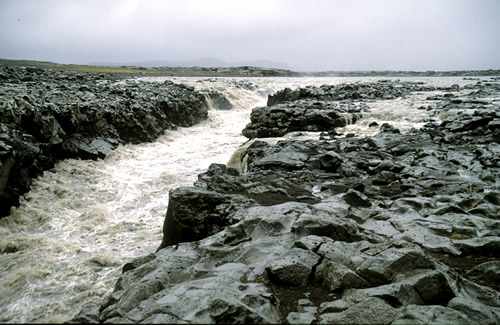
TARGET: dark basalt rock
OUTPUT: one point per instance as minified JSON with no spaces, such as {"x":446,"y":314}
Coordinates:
{"x":217,"y":100}
{"x":386,"y":127}
{"x":47,"y":115}
{"x":195,"y":214}
{"x":383,"y":89}
{"x":330,"y":161}
{"x":294,"y":268}
{"x":301,"y":115}
{"x":321,"y":108}
{"x":395,"y":228}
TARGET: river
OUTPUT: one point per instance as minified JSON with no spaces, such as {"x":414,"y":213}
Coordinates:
{"x":64,"y":246}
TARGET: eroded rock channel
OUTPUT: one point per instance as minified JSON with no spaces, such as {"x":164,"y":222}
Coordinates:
{"x":394,"y":228}
{"x":46,"y":116}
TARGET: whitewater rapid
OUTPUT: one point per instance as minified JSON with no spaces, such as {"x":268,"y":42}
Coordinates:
{"x":66,"y":243}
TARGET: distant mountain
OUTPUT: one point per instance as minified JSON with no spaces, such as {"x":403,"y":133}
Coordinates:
{"x":207,"y":62}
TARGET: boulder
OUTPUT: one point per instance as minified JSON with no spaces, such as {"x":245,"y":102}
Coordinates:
{"x":294,"y":268}
{"x":217,"y":100}
{"x":195,"y":214}
{"x":370,"y":311}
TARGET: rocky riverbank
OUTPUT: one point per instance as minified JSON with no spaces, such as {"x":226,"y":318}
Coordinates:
{"x":395,"y":228}
{"x":321,"y":108}
{"x":47,"y":115}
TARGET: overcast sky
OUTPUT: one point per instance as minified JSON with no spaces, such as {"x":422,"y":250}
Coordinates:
{"x":308,"y":35}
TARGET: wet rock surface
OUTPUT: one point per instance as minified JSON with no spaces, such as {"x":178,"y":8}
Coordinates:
{"x":389,"y":229}
{"x":47,"y":115}
{"x":321,"y":108}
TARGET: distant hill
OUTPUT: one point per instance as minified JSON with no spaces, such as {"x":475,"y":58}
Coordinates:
{"x":157,"y":69}
{"x":215,"y":67}
{"x":207,"y":62}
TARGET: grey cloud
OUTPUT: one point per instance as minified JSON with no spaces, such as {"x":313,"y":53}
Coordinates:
{"x":307,"y":35}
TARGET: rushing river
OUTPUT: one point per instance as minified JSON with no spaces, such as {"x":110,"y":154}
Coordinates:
{"x":65,"y":245}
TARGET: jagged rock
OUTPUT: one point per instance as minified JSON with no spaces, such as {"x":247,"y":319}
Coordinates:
{"x":370,"y":311}
{"x":488,"y":272}
{"x":295,"y":268}
{"x":386,"y":127}
{"x":382,"y":267}
{"x":46,"y":116}
{"x":96,"y":148}
{"x":383,"y":89}
{"x":474,"y":311}
{"x":319,"y":108}
{"x":310,"y":242}
{"x":88,"y":315}
{"x":337,"y":276}
{"x":219,"y":300}
{"x":218,"y":101}
{"x":414,"y":314}
{"x":278,"y":120}
{"x":334,"y":226}
{"x":195,"y":214}
{"x":287,"y":160}
{"x":330,"y":161}
{"x":387,"y":227}
{"x":305,"y":315}
{"x":357,"y":199}
{"x":487,"y":244}
{"x":334,"y":306}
